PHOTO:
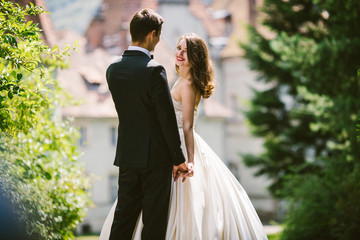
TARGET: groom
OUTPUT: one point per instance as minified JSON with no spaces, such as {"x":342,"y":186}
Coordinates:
{"x":148,"y":146}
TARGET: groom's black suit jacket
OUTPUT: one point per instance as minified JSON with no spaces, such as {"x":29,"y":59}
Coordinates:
{"x":147,"y":135}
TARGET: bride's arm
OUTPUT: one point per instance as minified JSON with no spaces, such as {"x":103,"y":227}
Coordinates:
{"x":188,"y":96}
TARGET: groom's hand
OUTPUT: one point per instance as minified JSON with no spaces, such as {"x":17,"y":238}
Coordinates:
{"x":189,"y":173}
{"x":179,"y":170}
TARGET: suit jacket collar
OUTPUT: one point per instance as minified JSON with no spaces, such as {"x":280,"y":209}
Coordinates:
{"x":131,"y":47}
{"x":134,"y":53}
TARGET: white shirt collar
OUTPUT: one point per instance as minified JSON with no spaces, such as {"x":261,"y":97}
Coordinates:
{"x":144,"y":50}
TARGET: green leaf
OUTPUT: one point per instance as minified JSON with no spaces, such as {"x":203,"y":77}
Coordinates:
{"x":28,"y":24}
{"x":19,"y":76}
{"x":55,"y":49}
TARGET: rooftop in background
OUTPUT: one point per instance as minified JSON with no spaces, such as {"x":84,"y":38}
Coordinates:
{"x":173,"y":1}
{"x":65,"y":13}
{"x":85,"y":79}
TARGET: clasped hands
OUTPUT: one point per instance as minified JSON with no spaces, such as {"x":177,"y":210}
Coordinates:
{"x":183,"y":170}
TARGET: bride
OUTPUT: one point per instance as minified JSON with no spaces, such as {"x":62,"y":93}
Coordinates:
{"x":211,"y":204}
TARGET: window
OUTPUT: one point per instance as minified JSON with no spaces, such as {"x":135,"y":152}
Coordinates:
{"x":83,"y":136}
{"x":113,"y":135}
{"x":113,"y":185}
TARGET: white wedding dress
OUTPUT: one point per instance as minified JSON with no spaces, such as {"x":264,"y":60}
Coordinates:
{"x":211,"y":205}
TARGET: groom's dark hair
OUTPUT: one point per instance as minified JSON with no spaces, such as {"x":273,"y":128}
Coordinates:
{"x":143,"y":22}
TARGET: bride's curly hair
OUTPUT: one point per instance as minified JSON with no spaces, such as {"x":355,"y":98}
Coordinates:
{"x":201,"y":70}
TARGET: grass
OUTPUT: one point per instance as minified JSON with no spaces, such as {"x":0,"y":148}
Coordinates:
{"x":275,"y":236}
{"x":87,"y":237}
{"x":96,"y":237}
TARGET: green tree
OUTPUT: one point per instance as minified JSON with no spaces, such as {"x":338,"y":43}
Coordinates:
{"x":39,"y":170}
{"x":308,"y":114}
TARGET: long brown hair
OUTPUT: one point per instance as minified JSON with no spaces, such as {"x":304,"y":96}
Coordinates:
{"x":201,"y":70}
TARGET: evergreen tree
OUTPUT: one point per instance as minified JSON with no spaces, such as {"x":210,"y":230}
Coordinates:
{"x":309,"y":114}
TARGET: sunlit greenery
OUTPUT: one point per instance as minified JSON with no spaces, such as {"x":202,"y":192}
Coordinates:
{"x":40,"y":173}
{"x":309,"y":114}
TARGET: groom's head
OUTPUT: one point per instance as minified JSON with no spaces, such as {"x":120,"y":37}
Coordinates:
{"x":145,"y":28}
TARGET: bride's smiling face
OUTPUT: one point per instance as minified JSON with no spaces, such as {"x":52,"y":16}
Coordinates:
{"x":181,"y":58}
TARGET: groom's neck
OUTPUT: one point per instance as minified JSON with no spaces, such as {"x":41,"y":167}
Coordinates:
{"x":141,"y":44}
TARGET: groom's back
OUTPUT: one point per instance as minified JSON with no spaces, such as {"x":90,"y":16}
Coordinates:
{"x":129,"y":81}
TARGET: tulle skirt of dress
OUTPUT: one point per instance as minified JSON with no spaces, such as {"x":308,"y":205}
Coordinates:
{"x":211,"y":205}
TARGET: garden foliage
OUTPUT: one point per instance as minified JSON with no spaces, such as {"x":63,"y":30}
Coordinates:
{"x":308,"y":53}
{"x":39,"y":169}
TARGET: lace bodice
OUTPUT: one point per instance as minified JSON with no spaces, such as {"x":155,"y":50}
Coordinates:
{"x":179,"y":114}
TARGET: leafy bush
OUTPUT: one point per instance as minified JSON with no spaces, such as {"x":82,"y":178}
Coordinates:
{"x":38,"y":151}
{"x":308,"y":116}
{"x":324,"y":206}
{"x":45,"y":182}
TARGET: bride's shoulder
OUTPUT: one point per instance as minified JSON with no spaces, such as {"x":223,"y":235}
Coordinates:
{"x":185,"y":82}
{"x":184,"y":85}
{"x":189,"y":86}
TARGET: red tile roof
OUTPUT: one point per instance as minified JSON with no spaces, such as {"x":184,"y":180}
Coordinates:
{"x":44,"y":20}
{"x":213,"y":28}
{"x":85,"y":81}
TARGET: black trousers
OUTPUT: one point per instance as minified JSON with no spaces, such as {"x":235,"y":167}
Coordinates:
{"x":147,"y":190}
